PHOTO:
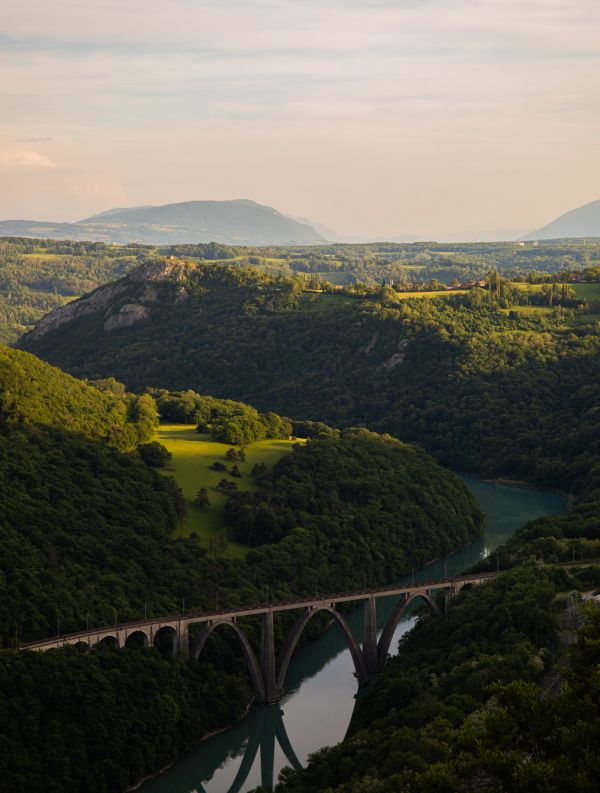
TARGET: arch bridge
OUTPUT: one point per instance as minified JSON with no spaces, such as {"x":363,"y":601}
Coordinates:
{"x":267,"y":670}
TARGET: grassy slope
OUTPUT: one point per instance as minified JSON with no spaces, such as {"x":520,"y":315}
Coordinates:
{"x":193,"y":454}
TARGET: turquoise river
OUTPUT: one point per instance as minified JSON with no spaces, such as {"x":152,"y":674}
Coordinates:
{"x":320,"y":687}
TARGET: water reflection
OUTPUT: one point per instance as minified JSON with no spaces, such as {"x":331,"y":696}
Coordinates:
{"x":320,"y":687}
{"x":263,"y":731}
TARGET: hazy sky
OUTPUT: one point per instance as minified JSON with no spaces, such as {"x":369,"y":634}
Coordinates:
{"x":372,"y":116}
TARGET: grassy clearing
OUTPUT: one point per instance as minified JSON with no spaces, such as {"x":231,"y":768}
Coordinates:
{"x":315,"y":301}
{"x":440,"y":293}
{"x":193,"y":454}
{"x":43,"y":255}
{"x":587,"y":291}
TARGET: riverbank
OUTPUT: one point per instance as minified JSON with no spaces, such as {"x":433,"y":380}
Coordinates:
{"x":206,"y":737}
{"x":507,"y":482}
{"x":320,"y":687}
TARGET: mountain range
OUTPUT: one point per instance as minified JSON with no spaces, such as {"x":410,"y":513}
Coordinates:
{"x":238,"y":222}
{"x":245,"y":222}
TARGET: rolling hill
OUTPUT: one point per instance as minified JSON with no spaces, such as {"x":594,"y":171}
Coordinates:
{"x":239,"y":222}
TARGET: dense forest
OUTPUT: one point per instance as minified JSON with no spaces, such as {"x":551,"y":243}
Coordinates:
{"x":489,"y":388}
{"x":37,"y":276}
{"x":86,"y":536}
{"x":359,"y":488}
{"x":74,"y":721}
{"x":502,"y":380}
{"x":461,"y":707}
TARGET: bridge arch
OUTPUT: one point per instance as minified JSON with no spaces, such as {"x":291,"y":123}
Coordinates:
{"x":296,"y":632}
{"x":166,"y":640}
{"x":137,"y":638}
{"x":256,"y":676}
{"x":387,"y":634}
{"x":109,"y":640}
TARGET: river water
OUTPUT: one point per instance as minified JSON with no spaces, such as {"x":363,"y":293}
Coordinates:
{"x":320,"y":687}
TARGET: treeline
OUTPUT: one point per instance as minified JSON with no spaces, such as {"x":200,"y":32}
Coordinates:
{"x":461,"y":707}
{"x":225,"y":420}
{"x":405,"y":263}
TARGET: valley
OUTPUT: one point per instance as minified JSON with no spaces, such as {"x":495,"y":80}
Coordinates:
{"x":390,"y":393}
{"x":300,"y":396}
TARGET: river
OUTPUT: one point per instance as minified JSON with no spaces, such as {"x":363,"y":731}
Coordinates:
{"x":320,"y":687}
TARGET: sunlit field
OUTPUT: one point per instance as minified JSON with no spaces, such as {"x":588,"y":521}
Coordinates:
{"x":193,"y":455}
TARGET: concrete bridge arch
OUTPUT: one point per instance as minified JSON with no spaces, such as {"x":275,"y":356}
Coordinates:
{"x":109,"y":640}
{"x":385,"y":640}
{"x":256,"y":675}
{"x":291,"y":643}
{"x":137,"y":638}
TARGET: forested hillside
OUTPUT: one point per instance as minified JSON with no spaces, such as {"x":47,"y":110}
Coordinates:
{"x":34,"y":393}
{"x":360,"y":489}
{"x":488,"y":384}
{"x":86,"y":531}
{"x":74,"y":721}
{"x":37,"y":276}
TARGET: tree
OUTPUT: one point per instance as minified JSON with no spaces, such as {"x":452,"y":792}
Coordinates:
{"x":154,"y":454}
{"x":258,"y":470}
{"x":180,"y":505}
{"x":202,"y":499}
{"x":225,"y":486}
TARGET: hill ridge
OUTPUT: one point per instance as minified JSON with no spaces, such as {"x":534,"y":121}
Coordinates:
{"x":232,"y":222}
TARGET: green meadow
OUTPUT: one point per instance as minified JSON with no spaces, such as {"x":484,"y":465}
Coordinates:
{"x":193,"y":455}
{"x":587,"y":291}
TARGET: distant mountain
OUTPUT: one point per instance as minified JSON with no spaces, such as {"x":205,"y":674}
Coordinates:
{"x":581,"y":222}
{"x":327,"y":233}
{"x":239,"y":222}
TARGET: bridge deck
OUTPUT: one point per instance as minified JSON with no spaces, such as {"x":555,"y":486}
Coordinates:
{"x":234,"y":613}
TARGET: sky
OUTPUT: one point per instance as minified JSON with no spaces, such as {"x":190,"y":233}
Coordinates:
{"x":374,"y":117}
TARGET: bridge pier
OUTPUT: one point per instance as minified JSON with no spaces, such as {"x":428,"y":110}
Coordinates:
{"x":267,"y":659}
{"x":184,"y":640}
{"x":369,"y":647}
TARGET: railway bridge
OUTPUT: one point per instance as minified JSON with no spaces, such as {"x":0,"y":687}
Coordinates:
{"x":267,"y":670}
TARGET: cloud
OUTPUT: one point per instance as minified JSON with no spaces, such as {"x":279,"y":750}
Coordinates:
{"x":33,"y":140}
{"x":25,"y":159}
{"x":478,"y":108}
{"x":97,"y":186}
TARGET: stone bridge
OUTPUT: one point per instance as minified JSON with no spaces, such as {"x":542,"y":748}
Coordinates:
{"x":267,"y":671}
